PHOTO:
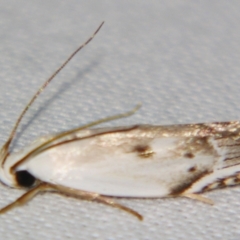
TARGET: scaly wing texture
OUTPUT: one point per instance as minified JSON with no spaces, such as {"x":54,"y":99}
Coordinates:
{"x":141,"y":161}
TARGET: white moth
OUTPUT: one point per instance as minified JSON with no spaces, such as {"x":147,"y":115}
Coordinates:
{"x":140,"y":161}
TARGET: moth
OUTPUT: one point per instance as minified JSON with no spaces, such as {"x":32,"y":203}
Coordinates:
{"x":140,"y":161}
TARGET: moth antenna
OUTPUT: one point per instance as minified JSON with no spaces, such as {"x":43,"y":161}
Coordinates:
{"x":4,"y":151}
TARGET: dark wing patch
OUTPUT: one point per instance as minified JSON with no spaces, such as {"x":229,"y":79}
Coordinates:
{"x":143,"y":151}
{"x":189,"y":155}
{"x":188,"y":182}
{"x":192,"y":169}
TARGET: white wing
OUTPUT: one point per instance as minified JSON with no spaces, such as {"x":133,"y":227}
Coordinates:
{"x":140,"y":161}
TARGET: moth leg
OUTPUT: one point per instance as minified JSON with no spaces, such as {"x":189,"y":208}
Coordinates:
{"x":110,"y":202}
{"x":198,"y":197}
{"x":95,"y":197}
{"x":26,"y":197}
{"x":42,"y":187}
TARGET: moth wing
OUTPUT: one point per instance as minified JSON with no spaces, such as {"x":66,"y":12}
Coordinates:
{"x":123,"y":165}
{"x":226,"y":171}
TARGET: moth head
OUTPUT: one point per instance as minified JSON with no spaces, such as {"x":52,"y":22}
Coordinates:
{"x":14,"y":178}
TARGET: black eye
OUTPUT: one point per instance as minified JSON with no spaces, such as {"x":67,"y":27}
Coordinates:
{"x":25,"y":179}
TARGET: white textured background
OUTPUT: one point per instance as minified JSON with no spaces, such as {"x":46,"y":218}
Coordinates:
{"x":181,"y":59}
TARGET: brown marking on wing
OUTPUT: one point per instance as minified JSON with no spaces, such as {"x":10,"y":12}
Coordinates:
{"x":184,"y":185}
{"x":189,"y":155}
{"x":192,"y":169}
{"x":143,"y":151}
{"x":231,"y":158}
{"x":223,"y":182}
{"x":190,"y":147}
{"x":221,"y":130}
{"x":230,"y":151}
{"x":229,"y":145}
